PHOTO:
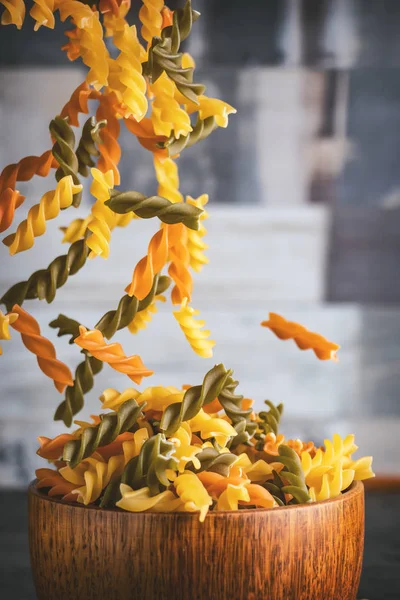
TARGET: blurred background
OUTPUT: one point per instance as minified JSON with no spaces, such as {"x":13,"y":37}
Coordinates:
{"x":304,"y":211}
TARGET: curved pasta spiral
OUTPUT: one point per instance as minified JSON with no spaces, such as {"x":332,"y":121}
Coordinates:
{"x":48,"y":478}
{"x":14,"y":13}
{"x":87,"y":146}
{"x":129,"y":307}
{"x":154,"y":206}
{"x":149,"y":469}
{"x":151,"y":19}
{"x":44,"y":350}
{"x":142,"y":501}
{"x":109,"y":148}
{"x":78,"y":104}
{"x":113,"y":354}
{"x":162,"y":58}
{"x":42,"y":11}
{"x":5,"y":322}
{"x":114,"y":13}
{"x":212,"y":427}
{"x":44,"y":283}
{"x":143,"y":318}
{"x":195,"y":244}
{"x":214,"y":461}
{"x":110,"y":426}
{"x":91,"y":44}
{"x":168,"y":178}
{"x":149,"y":265}
{"x":210,"y":107}
{"x":167,"y":116}
{"x":293,"y":476}
{"x":126,"y":73}
{"x":103,"y":219}
{"x":304,"y":339}
{"x":193,"y":330}
{"x":63,"y":152}
{"x":48,"y":208}
{"x":268,"y":422}
{"x":180,"y":261}
{"x":214,"y":384}
{"x":201,"y":130}
{"x":193,"y":494}
{"x":74,"y":394}
{"x":75,"y":230}
{"x":24,"y":170}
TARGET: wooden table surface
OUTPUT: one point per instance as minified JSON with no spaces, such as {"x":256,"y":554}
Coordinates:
{"x":381,"y":571}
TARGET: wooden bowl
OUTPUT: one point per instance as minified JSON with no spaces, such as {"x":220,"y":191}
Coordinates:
{"x":307,"y":552}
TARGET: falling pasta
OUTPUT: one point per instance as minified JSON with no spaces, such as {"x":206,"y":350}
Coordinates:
{"x":197,"y":448}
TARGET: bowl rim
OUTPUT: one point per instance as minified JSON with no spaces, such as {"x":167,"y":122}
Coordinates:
{"x":354,"y":490}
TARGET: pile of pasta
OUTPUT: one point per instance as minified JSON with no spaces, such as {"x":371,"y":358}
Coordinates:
{"x":193,"y":449}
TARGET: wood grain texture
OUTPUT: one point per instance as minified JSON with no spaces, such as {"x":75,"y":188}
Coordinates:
{"x":309,"y":552}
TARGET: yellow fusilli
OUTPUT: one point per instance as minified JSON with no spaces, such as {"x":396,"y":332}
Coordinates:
{"x":196,"y":246}
{"x":151,"y":19}
{"x":126,"y":77}
{"x":193,"y":330}
{"x":42,"y":11}
{"x":143,"y":317}
{"x":142,"y":501}
{"x":14,"y":13}
{"x":48,"y":208}
{"x":167,"y":116}
{"x":193,"y":494}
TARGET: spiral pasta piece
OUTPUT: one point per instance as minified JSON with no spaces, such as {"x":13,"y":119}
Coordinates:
{"x":114,"y":13}
{"x":167,"y":116}
{"x":210,"y":107}
{"x":48,"y":208}
{"x":200,"y":131}
{"x":149,"y":265}
{"x":103,"y":219}
{"x":142,"y":501}
{"x":151,"y":18}
{"x":193,"y":494}
{"x":52,"y":449}
{"x":63,"y":152}
{"x":331,"y":470}
{"x":75,"y":230}
{"x":185,"y":452}
{"x":150,"y":468}
{"x":163,"y":59}
{"x":74,"y":394}
{"x":129,"y":307}
{"x":44,"y":283}
{"x":109,"y":148}
{"x":193,"y":330}
{"x":42,"y":11}
{"x":268,"y":423}
{"x":24,"y":170}
{"x":212,"y":427}
{"x":179,"y":266}
{"x":293,"y":476}
{"x":147,"y":207}
{"x":14,"y":13}
{"x":195,"y":243}
{"x":214,"y":383}
{"x":87,"y":147}
{"x":109,"y":428}
{"x":113,"y":354}
{"x":44,"y":350}
{"x":213,"y":460}
{"x":58,"y":486}
{"x":143,"y":318}
{"x":304,"y":339}
{"x":112,"y":399}
{"x":126,"y":73}
{"x":5,"y":322}
{"x":92,"y":48}
{"x":168,"y":178}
